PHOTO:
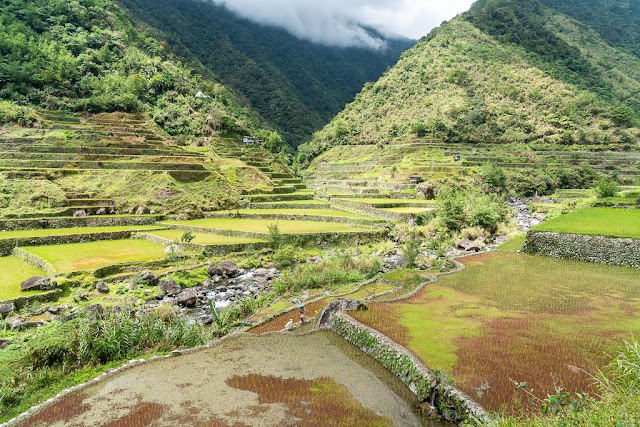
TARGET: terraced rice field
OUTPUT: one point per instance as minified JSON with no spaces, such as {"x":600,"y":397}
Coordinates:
{"x":261,"y":226}
{"x":382,"y":201}
{"x":72,"y":231}
{"x":89,"y":256}
{"x":205,"y":238}
{"x":597,"y":221}
{"x":315,"y":212}
{"x":275,"y":380}
{"x":14,"y":271}
{"x":508,"y":316}
{"x":409,"y":210}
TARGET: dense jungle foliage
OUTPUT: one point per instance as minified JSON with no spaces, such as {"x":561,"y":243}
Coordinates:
{"x":88,"y":55}
{"x":298,"y":86}
{"x":506,"y":71}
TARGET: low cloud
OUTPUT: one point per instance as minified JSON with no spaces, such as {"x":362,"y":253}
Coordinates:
{"x":340,"y":22}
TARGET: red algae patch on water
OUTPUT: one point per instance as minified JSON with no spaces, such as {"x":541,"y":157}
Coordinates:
{"x":63,"y":410}
{"x":143,"y":414}
{"x":316,"y":402}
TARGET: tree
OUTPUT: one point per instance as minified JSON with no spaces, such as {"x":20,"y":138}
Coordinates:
{"x":452,"y":204}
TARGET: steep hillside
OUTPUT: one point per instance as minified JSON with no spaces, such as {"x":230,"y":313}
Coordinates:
{"x":505,"y":72}
{"x":297,"y":85}
{"x":87,"y":55}
{"x":64,"y":65}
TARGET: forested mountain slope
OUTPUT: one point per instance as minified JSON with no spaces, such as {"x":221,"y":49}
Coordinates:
{"x":87,"y":55}
{"x":506,"y":71}
{"x":298,"y":86}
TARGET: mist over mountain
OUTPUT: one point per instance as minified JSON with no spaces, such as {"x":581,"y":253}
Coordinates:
{"x":297,"y":85}
{"x":339,"y":23}
{"x":547,"y":71}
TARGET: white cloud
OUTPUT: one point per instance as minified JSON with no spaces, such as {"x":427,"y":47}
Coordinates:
{"x":337,"y":22}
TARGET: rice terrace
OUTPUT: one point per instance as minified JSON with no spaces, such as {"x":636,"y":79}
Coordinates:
{"x":214,"y":217}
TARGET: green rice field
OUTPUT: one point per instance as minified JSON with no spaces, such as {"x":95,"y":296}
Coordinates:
{"x":316,"y":212}
{"x":205,"y":238}
{"x":70,"y":231}
{"x":13,"y":271}
{"x":383,"y":200}
{"x":92,"y":255}
{"x":261,"y":226}
{"x":514,"y":244}
{"x":507,"y":316}
{"x":410,"y":209}
{"x":597,"y":221}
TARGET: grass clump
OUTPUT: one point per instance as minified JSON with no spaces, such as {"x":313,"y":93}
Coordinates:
{"x":47,"y":358}
{"x":329,"y":273}
{"x":618,"y":404}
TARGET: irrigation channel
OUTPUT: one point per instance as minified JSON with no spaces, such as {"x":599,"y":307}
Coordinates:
{"x":277,"y":379}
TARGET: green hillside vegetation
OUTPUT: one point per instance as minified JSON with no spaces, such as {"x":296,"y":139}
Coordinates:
{"x":298,"y":86}
{"x":505,"y":72}
{"x":87,"y":55}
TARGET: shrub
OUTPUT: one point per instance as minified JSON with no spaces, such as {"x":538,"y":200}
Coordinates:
{"x":486,"y":211}
{"x":452,"y":216}
{"x":11,"y":113}
{"x":411,"y":252}
{"x":285,"y":256}
{"x":494,"y":177}
{"x":606,"y":188}
{"x":275,"y":237}
{"x":329,"y":273}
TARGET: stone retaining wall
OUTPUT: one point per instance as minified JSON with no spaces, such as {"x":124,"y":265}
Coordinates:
{"x":210,"y":250}
{"x":451,"y":403}
{"x":378,"y":211}
{"x":44,"y":297}
{"x":7,"y":245}
{"x":292,"y":216}
{"x":600,"y":249}
{"x":34,"y":260}
{"x":88,"y":221}
{"x":296,"y":239}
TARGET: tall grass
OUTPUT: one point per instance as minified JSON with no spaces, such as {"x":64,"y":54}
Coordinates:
{"x":330,"y":273}
{"x":60,"y":349}
{"x":618,"y":403}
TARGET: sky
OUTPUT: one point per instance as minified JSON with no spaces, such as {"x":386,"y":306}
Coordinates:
{"x":337,"y":22}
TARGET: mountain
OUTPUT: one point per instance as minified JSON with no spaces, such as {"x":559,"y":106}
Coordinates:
{"x":548,"y":71}
{"x":298,"y":86}
{"x":87,"y":55}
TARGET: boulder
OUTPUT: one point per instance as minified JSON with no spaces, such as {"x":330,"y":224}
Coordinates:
{"x":38,"y":283}
{"x":120,"y":310}
{"x":206,"y":320}
{"x":15,"y":323}
{"x":229,"y":269}
{"x":187,"y":298}
{"x":170,"y":287}
{"x":4,"y":344}
{"x":213,"y":270}
{"x":148,"y":277}
{"x":468,"y":245}
{"x":6,"y":309}
{"x":80,"y":213}
{"x":345,"y":304}
{"x":102,"y":211}
{"x":102,"y":287}
{"x":95,"y":310}
{"x":142,"y":210}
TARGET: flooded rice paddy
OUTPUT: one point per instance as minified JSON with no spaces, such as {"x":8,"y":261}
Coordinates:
{"x":316,"y":379}
{"x":544,"y":321}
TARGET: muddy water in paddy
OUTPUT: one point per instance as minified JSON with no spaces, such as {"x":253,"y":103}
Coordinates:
{"x":276,"y":380}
